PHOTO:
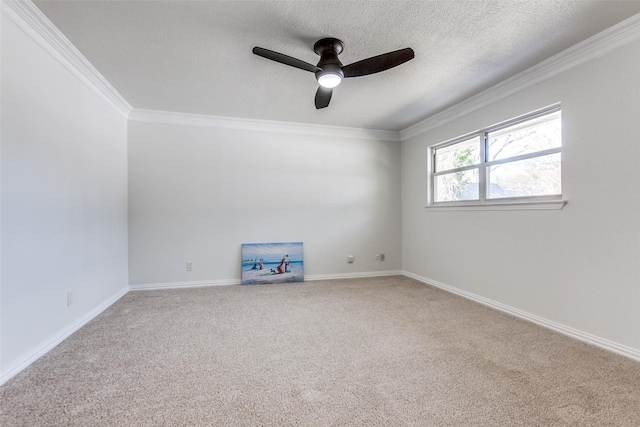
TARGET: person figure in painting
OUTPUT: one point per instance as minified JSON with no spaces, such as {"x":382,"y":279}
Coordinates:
{"x":287,"y":266}
{"x":280,"y":268}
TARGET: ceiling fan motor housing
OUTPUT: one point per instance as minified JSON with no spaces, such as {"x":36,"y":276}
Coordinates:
{"x":329,"y":49}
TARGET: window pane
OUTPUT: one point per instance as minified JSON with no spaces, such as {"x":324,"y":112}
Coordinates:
{"x":539,"y":176}
{"x":454,"y":156}
{"x":537,"y":134}
{"x":456,"y":186}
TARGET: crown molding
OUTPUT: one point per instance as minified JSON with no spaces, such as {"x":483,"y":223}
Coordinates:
{"x":164,"y":117}
{"x":604,"y":42}
{"x":35,"y":24}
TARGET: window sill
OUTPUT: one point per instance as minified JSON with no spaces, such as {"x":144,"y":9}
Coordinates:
{"x":499,"y":206}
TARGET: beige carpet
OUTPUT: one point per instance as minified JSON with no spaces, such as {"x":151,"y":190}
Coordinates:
{"x":363,"y":352}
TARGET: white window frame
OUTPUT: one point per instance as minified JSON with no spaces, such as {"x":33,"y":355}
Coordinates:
{"x":484,"y":203}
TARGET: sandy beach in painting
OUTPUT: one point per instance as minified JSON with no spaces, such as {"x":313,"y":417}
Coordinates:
{"x":269,"y":274}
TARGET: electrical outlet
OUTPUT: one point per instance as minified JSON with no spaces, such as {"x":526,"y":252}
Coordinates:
{"x":189,"y":265}
{"x":350,"y":259}
{"x":69,"y":298}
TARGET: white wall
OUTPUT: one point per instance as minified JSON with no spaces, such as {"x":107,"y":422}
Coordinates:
{"x":578,"y":267}
{"x":197,"y":193}
{"x":64,"y":201}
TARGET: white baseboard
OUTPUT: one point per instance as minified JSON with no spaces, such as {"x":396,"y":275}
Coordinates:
{"x":566,"y":330}
{"x":180,"y":285}
{"x":313,"y":277}
{"x":58,"y":338}
{"x":611,"y":346}
{"x":226,"y":282}
{"x":29,"y":358}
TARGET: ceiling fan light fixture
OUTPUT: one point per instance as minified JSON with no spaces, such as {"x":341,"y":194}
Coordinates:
{"x":330,"y":76}
{"x":329,"y":80}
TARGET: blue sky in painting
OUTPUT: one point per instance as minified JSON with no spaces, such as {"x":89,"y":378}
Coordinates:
{"x":272,"y":252}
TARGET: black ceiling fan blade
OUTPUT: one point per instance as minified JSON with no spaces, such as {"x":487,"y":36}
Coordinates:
{"x":378,"y":63}
{"x":323,"y":96}
{"x":284,"y":59}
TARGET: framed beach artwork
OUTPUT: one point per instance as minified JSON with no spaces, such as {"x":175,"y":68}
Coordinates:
{"x":265,"y":263}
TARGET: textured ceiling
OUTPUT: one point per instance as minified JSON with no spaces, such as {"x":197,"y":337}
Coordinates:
{"x":195,"y":56}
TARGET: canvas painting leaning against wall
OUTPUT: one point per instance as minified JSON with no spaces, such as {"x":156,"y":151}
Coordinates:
{"x":264,"y":263}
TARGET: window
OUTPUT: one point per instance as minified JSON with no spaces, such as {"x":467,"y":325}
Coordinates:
{"x":515,"y":163}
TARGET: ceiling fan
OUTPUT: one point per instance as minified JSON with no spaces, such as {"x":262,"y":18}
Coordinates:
{"x":330,"y":71}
